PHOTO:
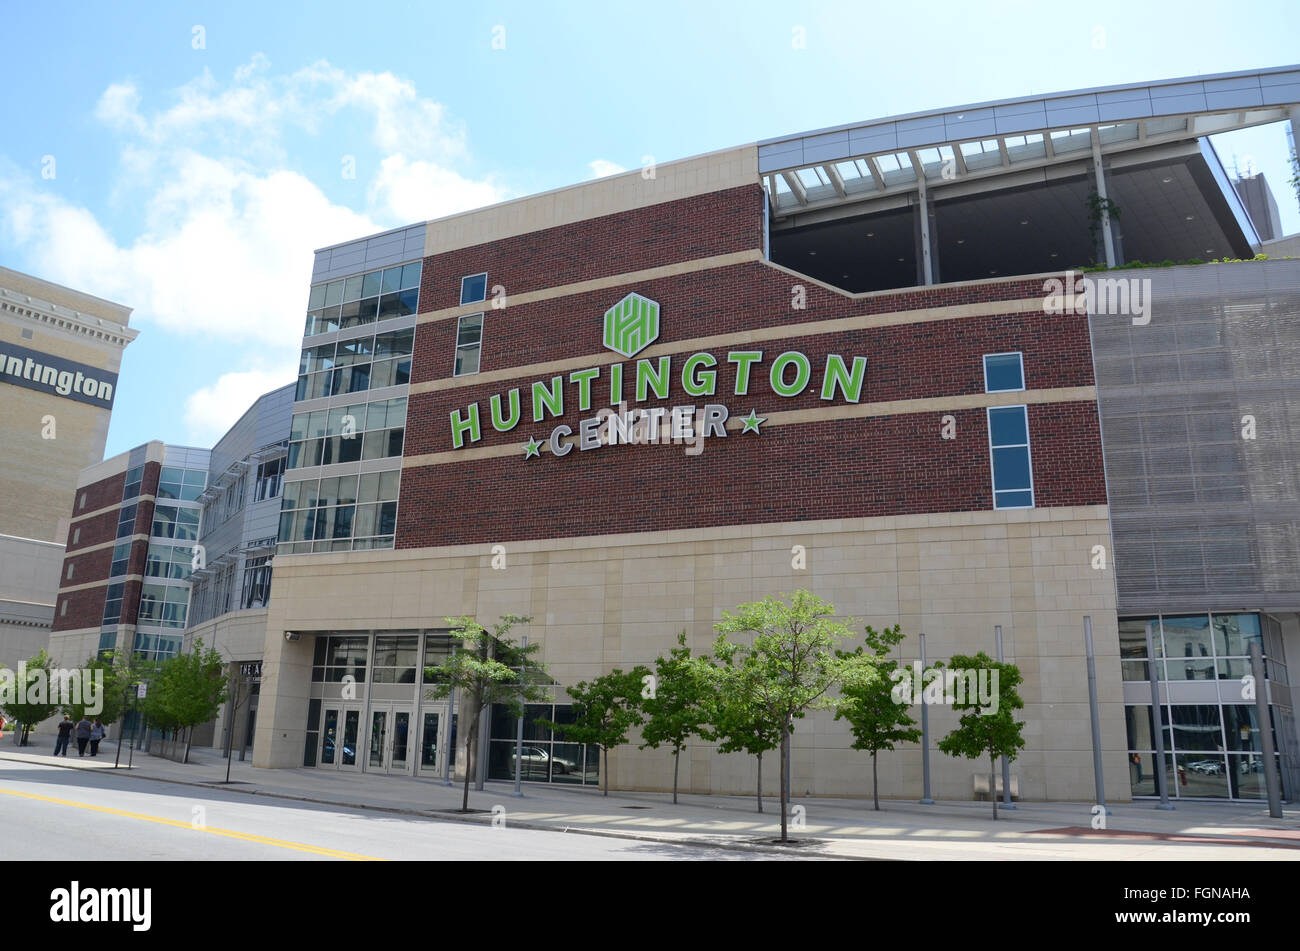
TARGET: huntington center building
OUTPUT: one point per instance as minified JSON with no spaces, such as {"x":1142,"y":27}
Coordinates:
{"x":854,"y":361}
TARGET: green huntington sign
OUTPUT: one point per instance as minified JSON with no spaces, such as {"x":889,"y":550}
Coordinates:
{"x":629,"y":327}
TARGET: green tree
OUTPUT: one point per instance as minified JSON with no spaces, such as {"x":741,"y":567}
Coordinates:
{"x":988,"y":729}
{"x":790,"y":666}
{"x":28,"y":700}
{"x":187,"y":690}
{"x":674,"y":704}
{"x":604,"y":709}
{"x":111,"y":697}
{"x":735,"y":720}
{"x":489,"y":669}
{"x":877,"y":719}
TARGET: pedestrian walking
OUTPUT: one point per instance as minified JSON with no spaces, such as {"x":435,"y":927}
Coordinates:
{"x":97,"y":733}
{"x":83,"y":735}
{"x":65,"y":733}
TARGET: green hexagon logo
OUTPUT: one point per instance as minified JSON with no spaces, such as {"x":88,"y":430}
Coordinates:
{"x":631,"y":325}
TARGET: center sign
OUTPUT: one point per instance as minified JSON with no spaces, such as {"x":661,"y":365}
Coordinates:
{"x":630,"y":326}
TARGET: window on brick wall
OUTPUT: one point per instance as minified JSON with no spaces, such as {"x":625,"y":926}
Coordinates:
{"x":121,"y":557}
{"x":134,"y":479}
{"x":1003,"y":372}
{"x":469,"y":344}
{"x":1013,"y":478}
{"x":69,"y":577}
{"x":113,"y":603}
{"x":126,"y":520}
{"x":473,"y":288}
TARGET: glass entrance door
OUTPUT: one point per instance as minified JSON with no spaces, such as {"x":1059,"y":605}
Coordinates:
{"x":388,"y":749}
{"x":339,"y":736}
{"x":434,"y":727}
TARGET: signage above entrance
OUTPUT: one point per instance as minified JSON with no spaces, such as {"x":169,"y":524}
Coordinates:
{"x":629,"y":327}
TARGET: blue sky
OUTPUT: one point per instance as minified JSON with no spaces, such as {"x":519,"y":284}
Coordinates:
{"x":192,"y":180}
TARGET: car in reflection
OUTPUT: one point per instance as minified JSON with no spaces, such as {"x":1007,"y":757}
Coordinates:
{"x":536,"y":760}
{"x":1210,"y":767}
{"x":328,"y":753}
{"x":1252,"y":765}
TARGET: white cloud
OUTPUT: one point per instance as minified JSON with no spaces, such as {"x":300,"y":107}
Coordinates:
{"x":227,"y":225}
{"x":227,"y":253}
{"x":212,"y":410}
{"x":601,"y":167}
{"x":416,"y":190}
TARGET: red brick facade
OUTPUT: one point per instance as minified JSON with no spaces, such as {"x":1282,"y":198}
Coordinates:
{"x":815,"y":470}
{"x":699,"y":227}
{"x":85,"y":606}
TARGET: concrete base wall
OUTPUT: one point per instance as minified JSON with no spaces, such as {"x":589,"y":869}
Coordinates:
{"x":620,"y":600}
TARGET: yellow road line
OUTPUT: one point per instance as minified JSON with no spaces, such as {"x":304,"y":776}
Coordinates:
{"x":180,"y":824}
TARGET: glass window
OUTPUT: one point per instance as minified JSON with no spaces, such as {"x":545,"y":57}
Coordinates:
{"x":473,"y":288}
{"x":411,"y":275}
{"x":1013,"y":485}
{"x":113,"y":603}
{"x":399,"y":304}
{"x":269,"y":475}
{"x":1002,"y":372}
{"x":121,"y":558}
{"x":469,"y":344}
{"x":126,"y":520}
{"x":134,"y":479}
{"x":1234,"y":633}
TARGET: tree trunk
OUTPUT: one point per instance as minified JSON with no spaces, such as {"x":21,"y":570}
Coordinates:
{"x":785,"y":791}
{"x":760,"y":782}
{"x":993,"y":785}
{"x":875,"y":783}
{"x":677,"y":761}
{"x":470,"y":756}
{"x":189,"y":736}
{"x":606,"y":776}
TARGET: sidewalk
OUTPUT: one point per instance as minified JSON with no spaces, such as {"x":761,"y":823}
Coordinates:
{"x":833,"y":828}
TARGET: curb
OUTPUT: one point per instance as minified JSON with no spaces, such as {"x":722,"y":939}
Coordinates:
{"x":478,"y":819}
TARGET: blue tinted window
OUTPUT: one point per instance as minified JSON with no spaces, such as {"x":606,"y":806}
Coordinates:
{"x":1013,"y":481}
{"x":1011,"y":468}
{"x":1003,"y":371}
{"x":1007,"y":427}
{"x":473,"y":288}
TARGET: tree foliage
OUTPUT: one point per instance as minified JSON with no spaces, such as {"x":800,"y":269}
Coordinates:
{"x":675,"y":709}
{"x":877,"y":720}
{"x":186,"y":690}
{"x":27,"y":700}
{"x":987,"y":729}
{"x":604,"y":710}
{"x":790,"y":665}
{"x":490,"y":668}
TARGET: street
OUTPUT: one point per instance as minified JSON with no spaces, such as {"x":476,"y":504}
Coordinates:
{"x":62,"y":814}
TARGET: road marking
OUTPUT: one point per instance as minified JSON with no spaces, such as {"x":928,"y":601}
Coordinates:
{"x":180,"y":824}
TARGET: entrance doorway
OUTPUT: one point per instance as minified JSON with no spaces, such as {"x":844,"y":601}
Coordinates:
{"x":390,"y":745}
{"x":437,"y":734}
{"x":339,"y":735}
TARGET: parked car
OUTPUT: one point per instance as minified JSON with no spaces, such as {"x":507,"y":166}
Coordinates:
{"x":536,"y":759}
{"x":1210,"y":767}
